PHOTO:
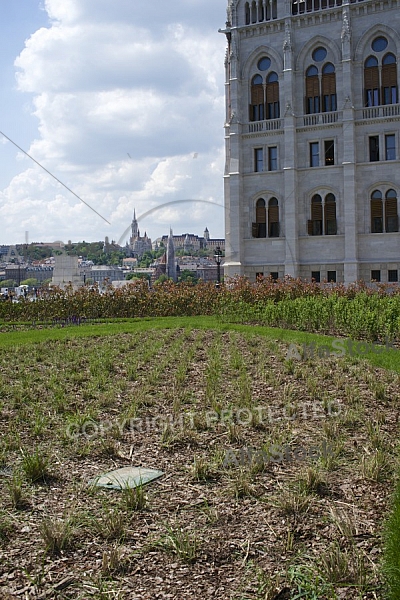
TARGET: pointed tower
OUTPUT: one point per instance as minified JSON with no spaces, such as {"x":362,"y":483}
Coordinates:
{"x":135,"y":227}
{"x":171,"y":264}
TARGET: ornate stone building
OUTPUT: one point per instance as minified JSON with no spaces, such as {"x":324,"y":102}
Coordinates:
{"x":138,"y":244}
{"x":312,"y":177}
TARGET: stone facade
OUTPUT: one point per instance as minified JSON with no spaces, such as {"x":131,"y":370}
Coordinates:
{"x":312,"y":178}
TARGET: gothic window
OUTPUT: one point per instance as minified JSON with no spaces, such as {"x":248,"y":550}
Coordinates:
{"x":389,"y":79}
{"x":257,"y":99}
{"x":247,"y":13}
{"x":272,"y":96}
{"x":264,"y":104}
{"x":330,"y":215}
{"x":267,"y":219}
{"x":320,"y":92}
{"x":273,"y":218}
{"x":391,"y":214}
{"x":328,"y":86}
{"x":380,"y":80}
{"x":371,"y":81}
{"x":312,"y":91}
{"x":376,"y":212}
{"x":315,"y":225}
{"x":323,"y":216}
{"x":260,"y":226}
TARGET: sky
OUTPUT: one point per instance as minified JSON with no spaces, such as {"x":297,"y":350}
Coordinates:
{"x":123,"y":102}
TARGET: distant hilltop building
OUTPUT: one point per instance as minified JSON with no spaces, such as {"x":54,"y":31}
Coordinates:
{"x":190,"y":242}
{"x":138,"y":245}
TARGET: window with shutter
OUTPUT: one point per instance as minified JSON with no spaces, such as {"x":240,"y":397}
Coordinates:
{"x":273,"y":218}
{"x":389,"y":83}
{"x":328,"y":86}
{"x":312,"y":90}
{"x":316,"y":215}
{"x":257,"y":99}
{"x":391,"y":214}
{"x":371,"y":82}
{"x":330,"y":215}
{"x":261,"y":218}
{"x":376,"y":212}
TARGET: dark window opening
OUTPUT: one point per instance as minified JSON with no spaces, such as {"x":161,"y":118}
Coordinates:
{"x":393,"y":275}
{"x":375,"y":275}
{"x":316,"y":276}
{"x":258,"y":160}
{"x":390,"y":147}
{"x":314,"y":154}
{"x":329,"y":149}
{"x":331,"y":276}
{"x":273,"y":158}
{"x":374,"y":148}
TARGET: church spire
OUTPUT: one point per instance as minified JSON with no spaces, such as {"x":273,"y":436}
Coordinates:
{"x":135,"y":228}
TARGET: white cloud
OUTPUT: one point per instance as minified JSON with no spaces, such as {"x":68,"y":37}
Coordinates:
{"x":125,"y":93}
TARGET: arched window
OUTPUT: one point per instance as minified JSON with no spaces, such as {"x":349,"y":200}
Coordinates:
{"x":389,"y":79}
{"x":272,"y":95}
{"x":330,"y":215}
{"x":315,"y":224}
{"x":376,"y":212}
{"x":264,"y":225}
{"x":323,"y":216}
{"x":380,"y":83}
{"x":264,"y":107}
{"x":391,"y":213}
{"x":312,"y":91}
{"x":253,"y":12}
{"x":328,"y":88}
{"x":257,"y":99}
{"x":273,"y":218}
{"x":260,"y":226}
{"x":324,"y":88}
{"x":260,"y":10}
{"x":371,"y":81}
{"x":247,"y":13}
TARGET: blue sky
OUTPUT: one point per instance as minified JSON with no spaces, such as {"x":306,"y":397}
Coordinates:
{"x":123,"y":102}
{"x":20,"y":18}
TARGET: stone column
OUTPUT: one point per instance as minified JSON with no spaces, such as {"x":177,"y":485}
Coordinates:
{"x":349,"y":221}
{"x":290,"y":206}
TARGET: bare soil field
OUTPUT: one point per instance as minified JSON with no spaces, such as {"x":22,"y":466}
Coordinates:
{"x":277,"y":472}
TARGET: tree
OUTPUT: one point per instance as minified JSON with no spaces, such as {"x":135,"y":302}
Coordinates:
{"x":8,"y":283}
{"x":31,"y":281}
{"x":188,"y":276}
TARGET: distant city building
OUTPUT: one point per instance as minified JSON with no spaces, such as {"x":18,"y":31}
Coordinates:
{"x":138,"y":245}
{"x":100,"y":273}
{"x":189,"y":242}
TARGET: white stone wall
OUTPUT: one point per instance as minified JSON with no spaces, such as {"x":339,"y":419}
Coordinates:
{"x":353,"y":177}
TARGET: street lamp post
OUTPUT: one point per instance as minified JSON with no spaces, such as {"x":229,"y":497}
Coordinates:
{"x":218,"y":259}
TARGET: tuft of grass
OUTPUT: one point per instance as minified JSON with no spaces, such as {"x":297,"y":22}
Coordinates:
{"x":184,"y":545}
{"x":34,"y":465}
{"x":376,"y":466}
{"x":292,"y":501}
{"x":15,"y":488}
{"x":134,"y":498}
{"x":201,"y":470}
{"x":57,"y":534}
{"x":112,"y":525}
{"x":6,"y":527}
